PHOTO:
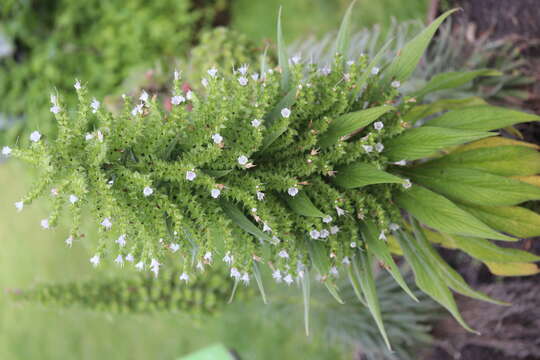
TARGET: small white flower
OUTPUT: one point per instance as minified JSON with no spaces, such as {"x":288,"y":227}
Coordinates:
{"x":100,"y":136}
{"x":407,"y":184}
{"x":288,"y":279}
{"x":353,"y":244}
{"x":292,"y":191}
{"x":296,"y":59}
{"x":208,"y":256}
{"x":178,"y":99}
{"x":327,"y":219}
{"x":401,"y":163}
{"x":379,"y":147}
{"x":77,"y":85}
{"x":190,"y":175}
{"x":256,"y":123}
{"x":139,"y":266}
{"x":129,"y":257}
{"x":54,"y":192}
{"x":199,"y":266}
{"x":393,"y":227}
{"x":106,"y":223}
{"x":212,"y":72}
{"x":243,"y":160}
{"x":245,"y":278}
{"x":255,"y":76}
{"x":266,"y":228}
{"x":242,"y":80}
{"x":277,"y":275}
{"x":325,"y":233}
{"x":285,"y":112}
{"x":19,"y":205}
{"x":340,"y":211}
{"x":334,"y":271}
{"x":6,"y":151}
{"x":94,"y":260}
{"x":73,"y":198}
{"x":243,"y":69}
{"x":375,"y":70}
{"x":325,"y":70}
{"x":137,"y":110}
{"x":235,"y":273}
{"x":228,"y":259}
{"x":215,"y":193}
{"x":144,"y":96}
{"x":55,"y":109}
{"x":217,"y":138}
{"x":69,"y":241}
{"x":368,"y":148}
{"x":315,"y":234}
{"x":119,"y":260}
{"x":346,"y":261}
{"x":121,"y":241}
{"x":147,"y":191}
{"x":334,"y":229}
{"x":395,"y":84}
{"x":378,"y":125}
{"x":283,"y":254}
{"x":260,"y":196}
{"x":184,"y":277}
{"x":177,"y":75}
{"x":382,"y":235}
{"x":88,"y":136}
{"x":154,"y":267}
{"x":35,"y":136}
{"x":174,"y":247}
{"x":189,"y":95}
{"x":204,"y":82}
{"x":45,"y":223}
{"x":275,"y":240}
{"x":254,"y":210}
{"x":95,"y":105}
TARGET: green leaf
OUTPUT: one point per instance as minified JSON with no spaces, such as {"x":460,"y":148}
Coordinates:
{"x":258,"y":278}
{"x":273,"y":121}
{"x":449,"y":275}
{"x":500,"y":160}
{"x":242,"y":221}
{"x":344,"y":34}
{"x":302,"y":205}
{"x":426,"y":140}
{"x":366,"y":73}
{"x":214,"y":352}
{"x":283,"y":59}
{"x":441,"y":214}
{"x":482,"y":118}
{"x":364,"y":267}
{"x":422,"y":111}
{"x":492,"y":142}
{"x":361,"y":174}
{"x":471,"y":186}
{"x":382,"y":252}
{"x":354,"y":278}
{"x":409,"y":56}
{"x":217,"y":173}
{"x":453,"y":79}
{"x":513,"y":220}
{"x":427,"y":279}
{"x":306,"y":296}
{"x":349,"y":123}
{"x":333,"y":290}
{"x":513,"y":269}
{"x":318,"y":256}
{"x":485,"y":251}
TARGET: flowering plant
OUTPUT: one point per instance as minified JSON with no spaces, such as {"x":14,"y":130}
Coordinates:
{"x":301,"y":168}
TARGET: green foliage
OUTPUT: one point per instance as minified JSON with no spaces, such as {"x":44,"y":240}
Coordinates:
{"x":138,"y":293}
{"x":102,"y":42}
{"x":215,"y":175}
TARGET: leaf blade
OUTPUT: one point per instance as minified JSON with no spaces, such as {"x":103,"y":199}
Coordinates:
{"x":302,"y":205}
{"x":362,"y":174}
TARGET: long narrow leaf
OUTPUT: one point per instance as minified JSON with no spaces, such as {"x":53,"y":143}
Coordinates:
{"x":258,"y":279}
{"x":453,"y":79}
{"x":306,"y":296}
{"x":349,"y":123}
{"x":344,"y":34}
{"x":367,"y":72}
{"x":302,"y":205}
{"x":242,"y":221}
{"x":422,"y":111}
{"x":283,"y":59}
{"x":443,"y":215}
{"x":361,"y":174}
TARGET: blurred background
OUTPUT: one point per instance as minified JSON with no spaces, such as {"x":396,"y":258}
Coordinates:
{"x":121,"y":46}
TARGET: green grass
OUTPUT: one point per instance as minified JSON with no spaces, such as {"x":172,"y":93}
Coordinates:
{"x":301,"y":18}
{"x":30,"y":254}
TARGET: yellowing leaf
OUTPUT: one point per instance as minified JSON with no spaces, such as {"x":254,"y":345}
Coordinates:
{"x":533,"y":180}
{"x":493,"y":142}
{"x":513,"y":269}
